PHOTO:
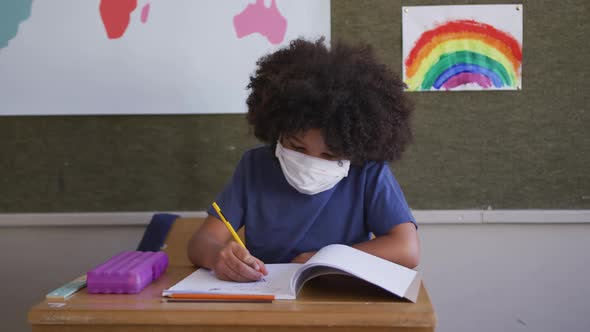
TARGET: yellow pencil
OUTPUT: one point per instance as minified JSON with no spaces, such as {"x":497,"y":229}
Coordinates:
{"x":228,"y":225}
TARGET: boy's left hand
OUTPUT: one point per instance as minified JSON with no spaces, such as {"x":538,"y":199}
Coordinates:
{"x":303,"y":257}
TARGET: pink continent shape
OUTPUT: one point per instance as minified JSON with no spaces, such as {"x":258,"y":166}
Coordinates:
{"x":145,"y":11}
{"x":256,"y":18}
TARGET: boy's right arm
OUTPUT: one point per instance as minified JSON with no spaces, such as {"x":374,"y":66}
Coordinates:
{"x":211,"y":247}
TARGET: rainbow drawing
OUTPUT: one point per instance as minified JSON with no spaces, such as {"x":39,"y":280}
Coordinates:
{"x":463,"y":54}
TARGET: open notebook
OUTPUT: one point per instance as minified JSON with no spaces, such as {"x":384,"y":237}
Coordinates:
{"x":284,"y":281}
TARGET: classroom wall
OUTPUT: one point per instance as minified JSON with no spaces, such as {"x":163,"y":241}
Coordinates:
{"x":484,"y":278}
{"x":473,"y":150}
{"x":516,"y":150}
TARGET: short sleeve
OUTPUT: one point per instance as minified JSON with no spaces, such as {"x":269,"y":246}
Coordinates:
{"x":232,"y":200}
{"x":385,"y":204}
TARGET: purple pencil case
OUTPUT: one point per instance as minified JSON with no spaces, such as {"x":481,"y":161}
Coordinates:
{"x":128,"y":272}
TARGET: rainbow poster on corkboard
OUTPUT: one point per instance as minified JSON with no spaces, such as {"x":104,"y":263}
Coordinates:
{"x":469,"y":47}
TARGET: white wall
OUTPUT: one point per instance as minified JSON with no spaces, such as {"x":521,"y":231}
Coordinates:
{"x":502,"y":277}
{"x":508,"y":277}
{"x":36,"y":260}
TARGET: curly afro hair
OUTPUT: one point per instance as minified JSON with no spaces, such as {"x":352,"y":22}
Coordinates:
{"x":356,"y":102}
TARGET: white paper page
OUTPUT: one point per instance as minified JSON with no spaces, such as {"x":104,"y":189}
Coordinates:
{"x":390,"y":276}
{"x":277,"y":283}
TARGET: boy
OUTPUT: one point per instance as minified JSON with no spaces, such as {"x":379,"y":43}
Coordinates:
{"x":331,"y":119}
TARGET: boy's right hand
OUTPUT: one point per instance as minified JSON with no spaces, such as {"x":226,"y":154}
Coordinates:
{"x":235,"y":263}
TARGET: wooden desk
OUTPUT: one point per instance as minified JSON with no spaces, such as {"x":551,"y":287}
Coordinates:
{"x":321,"y":305}
{"x":317,"y":308}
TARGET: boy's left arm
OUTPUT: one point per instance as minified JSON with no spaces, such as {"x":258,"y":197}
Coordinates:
{"x":400,"y":245}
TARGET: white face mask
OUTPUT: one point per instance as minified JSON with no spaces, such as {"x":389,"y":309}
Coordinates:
{"x":310,"y":175}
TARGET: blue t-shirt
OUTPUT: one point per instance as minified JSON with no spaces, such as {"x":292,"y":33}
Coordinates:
{"x":280,"y":222}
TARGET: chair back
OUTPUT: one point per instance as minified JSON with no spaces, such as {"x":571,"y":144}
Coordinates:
{"x":177,"y":240}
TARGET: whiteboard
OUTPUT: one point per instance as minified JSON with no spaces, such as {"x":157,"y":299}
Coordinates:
{"x":174,"y":57}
